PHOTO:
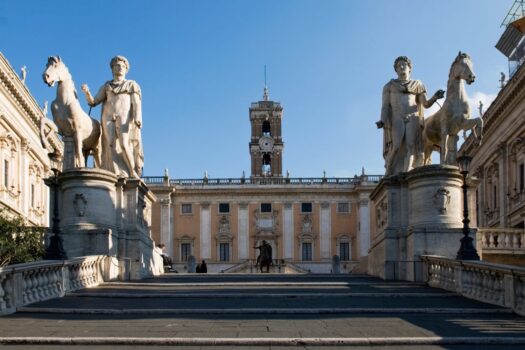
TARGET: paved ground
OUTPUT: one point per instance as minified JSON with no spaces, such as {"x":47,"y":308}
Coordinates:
{"x":262,"y":312}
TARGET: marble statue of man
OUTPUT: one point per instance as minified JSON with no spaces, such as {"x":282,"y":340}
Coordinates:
{"x":121,"y":121}
{"x":23,"y":74}
{"x":402,"y":118}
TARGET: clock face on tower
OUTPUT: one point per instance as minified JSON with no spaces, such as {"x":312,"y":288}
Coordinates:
{"x":266,"y":143}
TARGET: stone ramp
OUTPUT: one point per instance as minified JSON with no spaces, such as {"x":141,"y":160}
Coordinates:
{"x":263,"y":312}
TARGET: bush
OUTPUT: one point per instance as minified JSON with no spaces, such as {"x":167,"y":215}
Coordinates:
{"x":19,"y":243}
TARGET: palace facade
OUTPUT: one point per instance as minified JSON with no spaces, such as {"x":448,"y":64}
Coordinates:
{"x":24,"y":161}
{"x":498,"y":165}
{"x":306,"y":220}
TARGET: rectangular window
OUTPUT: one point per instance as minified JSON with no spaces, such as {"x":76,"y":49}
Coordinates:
{"x":32,"y":201}
{"x":344,"y":251}
{"x":343,"y":207}
{"x":266,"y":207}
{"x":224,"y":207}
{"x":6,"y":173}
{"x":185,"y":251}
{"x":186,"y":209}
{"x":306,"y":207}
{"x":495,"y":194}
{"x":522,"y":177}
{"x":224,"y":252}
{"x":477,"y":208}
{"x":307,"y":251}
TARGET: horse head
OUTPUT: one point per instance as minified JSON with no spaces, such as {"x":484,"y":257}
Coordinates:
{"x":462,"y":68}
{"x":55,"y":71}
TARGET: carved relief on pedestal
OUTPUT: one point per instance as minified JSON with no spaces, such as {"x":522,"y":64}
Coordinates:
{"x":442,"y":200}
{"x":141,"y":212}
{"x":382,"y":213}
{"x":146,"y":214}
{"x":80,"y":203}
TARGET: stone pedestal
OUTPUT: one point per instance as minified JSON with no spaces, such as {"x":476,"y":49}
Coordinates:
{"x":88,"y":212}
{"x":413,"y":214}
{"x":135,"y":243}
{"x":101,"y":214}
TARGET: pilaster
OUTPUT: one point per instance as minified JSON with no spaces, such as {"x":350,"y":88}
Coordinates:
{"x":243,"y":235}
{"x":205,"y":232}
{"x":288,"y":231}
{"x":363,"y":234}
{"x":325,"y":228}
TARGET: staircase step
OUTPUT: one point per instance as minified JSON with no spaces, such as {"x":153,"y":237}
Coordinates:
{"x":285,"y":341}
{"x":262,"y":311}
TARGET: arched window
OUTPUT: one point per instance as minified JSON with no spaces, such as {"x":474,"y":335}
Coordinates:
{"x":266,"y":164}
{"x":266,"y":128}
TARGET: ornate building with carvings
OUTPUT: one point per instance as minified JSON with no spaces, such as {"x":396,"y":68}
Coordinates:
{"x":497,"y":196}
{"x":306,"y":220}
{"x":24,"y":161}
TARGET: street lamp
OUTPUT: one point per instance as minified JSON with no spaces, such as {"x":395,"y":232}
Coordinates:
{"x":55,"y":250}
{"x":467,"y":250}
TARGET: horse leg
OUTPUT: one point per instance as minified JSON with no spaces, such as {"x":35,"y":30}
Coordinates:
{"x":77,"y":139}
{"x":444,"y":149}
{"x":452,"y":149}
{"x":429,"y":146}
{"x":85,"y":153}
{"x":477,"y":128}
{"x":96,"y":152}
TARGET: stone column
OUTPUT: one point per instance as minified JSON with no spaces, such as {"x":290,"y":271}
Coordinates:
{"x":205,"y":232}
{"x":503,"y":187}
{"x":24,"y":184}
{"x":166,"y":237}
{"x":363,"y":236}
{"x":325,"y":230}
{"x":288,"y":231}
{"x":242,"y":234}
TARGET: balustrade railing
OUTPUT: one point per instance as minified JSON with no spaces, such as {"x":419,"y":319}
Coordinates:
{"x":155,"y":180}
{"x":23,"y":284}
{"x":495,"y":284}
{"x":498,"y":239}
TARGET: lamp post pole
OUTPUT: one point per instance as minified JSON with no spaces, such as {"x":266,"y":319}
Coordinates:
{"x":466,"y":250}
{"x":55,"y":249}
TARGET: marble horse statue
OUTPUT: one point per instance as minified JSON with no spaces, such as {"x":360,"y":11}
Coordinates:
{"x":442,"y":128}
{"x":69,"y":116}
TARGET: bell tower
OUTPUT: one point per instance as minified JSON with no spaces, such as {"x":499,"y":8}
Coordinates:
{"x":266,"y":144}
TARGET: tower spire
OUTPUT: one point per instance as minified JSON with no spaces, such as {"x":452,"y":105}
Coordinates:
{"x":265,"y":92}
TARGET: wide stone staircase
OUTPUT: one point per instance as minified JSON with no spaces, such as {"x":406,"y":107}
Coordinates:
{"x":262,"y":311}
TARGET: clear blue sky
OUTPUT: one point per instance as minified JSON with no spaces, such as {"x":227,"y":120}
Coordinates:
{"x":200,"y":65}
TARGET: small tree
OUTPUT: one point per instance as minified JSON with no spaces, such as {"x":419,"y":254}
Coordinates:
{"x":19,"y":243}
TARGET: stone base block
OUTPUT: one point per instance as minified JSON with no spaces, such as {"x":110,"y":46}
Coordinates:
{"x":415,"y":213}
{"x":101,"y":214}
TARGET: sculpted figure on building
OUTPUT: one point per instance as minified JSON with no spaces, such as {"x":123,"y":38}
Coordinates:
{"x":402,"y":119}
{"x":121,"y":120}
